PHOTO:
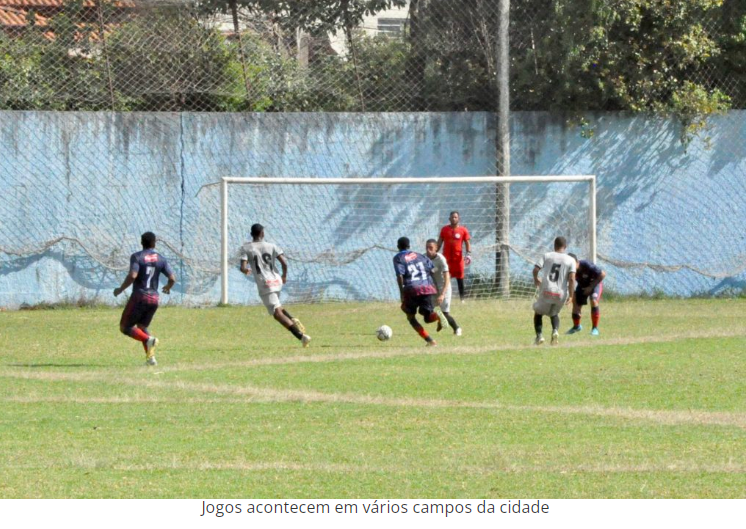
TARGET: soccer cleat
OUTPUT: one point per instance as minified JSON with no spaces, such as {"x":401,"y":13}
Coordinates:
{"x":431,"y":343}
{"x":305,"y":340}
{"x":575,"y":329}
{"x":539,"y":339}
{"x":442,"y":320}
{"x":150,"y":345}
{"x":301,"y":327}
{"x":594,"y":331}
{"x":151,"y":361}
{"x":555,"y":338}
{"x":458,"y":332}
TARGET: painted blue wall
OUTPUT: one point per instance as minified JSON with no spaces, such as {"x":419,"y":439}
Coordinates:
{"x":77,"y":189}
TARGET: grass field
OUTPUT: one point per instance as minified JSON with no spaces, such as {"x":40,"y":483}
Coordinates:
{"x":655,"y":407}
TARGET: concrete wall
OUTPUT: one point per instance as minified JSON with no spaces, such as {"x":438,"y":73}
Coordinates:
{"x":77,"y":189}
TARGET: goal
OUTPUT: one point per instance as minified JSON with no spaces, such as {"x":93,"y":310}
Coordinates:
{"x":339,"y":234}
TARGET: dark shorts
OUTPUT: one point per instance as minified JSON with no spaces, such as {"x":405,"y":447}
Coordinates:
{"x":138,"y":312}
{"x":582,"y":299}
{"x":412,"y":302}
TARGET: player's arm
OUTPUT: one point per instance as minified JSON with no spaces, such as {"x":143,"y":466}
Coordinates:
{"x":400,"y":282}
{"x":126,"y":283}
{"x":171,"y":278}
{"x":571,"y":286}
{"x":284,"y":265}
{"x":446,"y":286}
{"x":171,"y":282}
{"x":440,"y":243}
{"x":467,"y":242}
{"x":537,"y":281}
{"x":245,"y":266}
{"x":134,"y":270}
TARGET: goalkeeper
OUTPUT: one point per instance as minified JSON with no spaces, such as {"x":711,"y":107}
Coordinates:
{"x":452,"y":239}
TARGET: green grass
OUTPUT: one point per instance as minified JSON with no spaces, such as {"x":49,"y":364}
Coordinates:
{"x":655,"y":407}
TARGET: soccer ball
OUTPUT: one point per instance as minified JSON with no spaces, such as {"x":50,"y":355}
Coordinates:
{"x":384,"y":333}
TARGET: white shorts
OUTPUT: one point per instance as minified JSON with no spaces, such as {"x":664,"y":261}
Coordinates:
{"x":271,"y":301}
{"x":446,"y":305}
{"x":547,"y":306}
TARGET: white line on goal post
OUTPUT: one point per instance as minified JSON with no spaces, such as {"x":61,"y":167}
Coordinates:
{"x":591,"y":179}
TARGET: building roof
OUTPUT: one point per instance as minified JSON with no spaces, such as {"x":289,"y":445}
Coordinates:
{"x":60,"y":4}
{"x":18,"y":18}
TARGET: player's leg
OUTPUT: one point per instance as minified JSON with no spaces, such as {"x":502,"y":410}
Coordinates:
{"x":577,"y":308}
{"x":538,"y":328}
{"x":595,"y":308}
{"x":409,"y":306}
{"x":146,"y":319}
{"x":272,"y":303}
{"x":456,"y":268}
{"x":554,"y":318}
{"x":128,"y":322}
{"x":461,"y":293}
{"x":296,"y":321}
{"x":434,"y":301}
{"x":445,"y":307}
{"x":430,"y":314}
{"x":539,"y":311}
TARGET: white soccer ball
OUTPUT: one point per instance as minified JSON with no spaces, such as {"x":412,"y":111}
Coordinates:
{"x":384,"y":333}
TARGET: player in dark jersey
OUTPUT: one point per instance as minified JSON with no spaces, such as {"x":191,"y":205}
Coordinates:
{"x":416,"y":287}
{"x":145,"y":270}
{"x":589,"y":285}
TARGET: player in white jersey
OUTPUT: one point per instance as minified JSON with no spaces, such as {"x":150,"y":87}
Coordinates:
{"x":442,"y":279}
{"x":259,"y":257}
{"x":554,"y":275}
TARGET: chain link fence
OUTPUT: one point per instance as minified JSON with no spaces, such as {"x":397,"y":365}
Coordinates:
{"x":158,"y":98}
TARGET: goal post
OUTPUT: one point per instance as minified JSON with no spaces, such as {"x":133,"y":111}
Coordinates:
{"x":323,"y":223}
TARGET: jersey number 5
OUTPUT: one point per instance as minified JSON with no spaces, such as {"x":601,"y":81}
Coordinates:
{"x":554,"y":273}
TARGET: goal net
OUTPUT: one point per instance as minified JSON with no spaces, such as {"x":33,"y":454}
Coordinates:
{"x":339,"y":235}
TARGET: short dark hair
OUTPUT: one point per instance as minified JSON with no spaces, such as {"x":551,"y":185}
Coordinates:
{"x":256,"y":230}
{"x":574,"y":256}
{"x":403,"y":243}
{"x":147,"y":239}
{"x":456,"y":212}
{"x":433,"y":241}
{"x":560,"y":242}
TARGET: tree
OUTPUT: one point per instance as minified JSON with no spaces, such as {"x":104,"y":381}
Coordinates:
{"x":169,"y":61}
{"x":639,"y":55}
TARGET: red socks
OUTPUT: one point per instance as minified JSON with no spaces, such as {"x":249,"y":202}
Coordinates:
{"x":595,"y":316}
{"x":138,"y":335}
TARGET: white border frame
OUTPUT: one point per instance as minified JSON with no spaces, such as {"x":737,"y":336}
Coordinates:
{"x":591,"y":179}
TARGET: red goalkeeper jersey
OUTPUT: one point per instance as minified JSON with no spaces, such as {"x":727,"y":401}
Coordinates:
{"x":453,"y":241}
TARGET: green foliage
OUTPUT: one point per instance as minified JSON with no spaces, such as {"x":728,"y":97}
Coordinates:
{"x":184,"y":67}
{"x":380,"y":64}
{"x":262,"y":79}
{"x":22,"y":83}
{"x":638,"y":55}
{"x":570,"y":55}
